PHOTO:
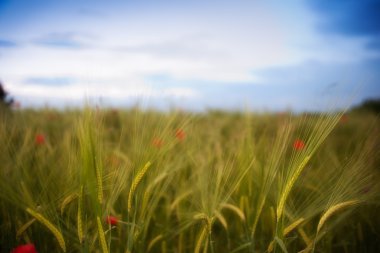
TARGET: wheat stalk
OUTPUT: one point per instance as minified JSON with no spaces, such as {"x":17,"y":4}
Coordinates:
{"x":333,"y":210}
{"x":201,"y":239}
{"x":135,"y":183}
{"x":164,"y":247}
{"x":287,"y":230}
{"x":50,"y":226}
{"x":304,"y":236}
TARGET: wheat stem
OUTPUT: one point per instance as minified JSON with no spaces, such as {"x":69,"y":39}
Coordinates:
{"x":287,"y":230}
{"x":201,"y":238}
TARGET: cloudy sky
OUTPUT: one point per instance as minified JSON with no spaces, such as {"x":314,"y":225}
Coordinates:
{"x":265,"y":55}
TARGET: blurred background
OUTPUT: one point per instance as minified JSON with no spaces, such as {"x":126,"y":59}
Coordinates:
{"x":262,"y":55}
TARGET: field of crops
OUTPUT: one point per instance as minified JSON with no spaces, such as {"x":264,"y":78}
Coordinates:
{"x":107,"y":180}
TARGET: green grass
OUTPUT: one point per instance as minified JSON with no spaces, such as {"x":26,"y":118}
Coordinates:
{"x":180,"y":182}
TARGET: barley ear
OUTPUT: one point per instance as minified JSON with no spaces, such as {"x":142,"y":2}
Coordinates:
{"x":99,"y":183}
{"x":67,"y":201}
{"x":154,"y":241}
{"x":335,"y":209}
{"x":79,"y":216}
{"x":236,"y":210}
{"x":24,"y":227}
{"x":222,"y":220}
{"x":289,"y":186}
{"x":102,"y":238}
{"x":50,"y":226}
{"x":135,"y":183}
{"x":292,"y":226}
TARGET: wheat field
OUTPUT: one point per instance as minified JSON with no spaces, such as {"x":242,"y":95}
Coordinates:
{"x":108,"y":180}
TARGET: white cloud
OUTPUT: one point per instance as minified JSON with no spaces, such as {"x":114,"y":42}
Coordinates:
{"x":224,"y":42}
{"x":111,"y":89}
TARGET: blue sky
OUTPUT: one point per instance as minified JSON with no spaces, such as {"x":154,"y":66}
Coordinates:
{"x":265,"y":55}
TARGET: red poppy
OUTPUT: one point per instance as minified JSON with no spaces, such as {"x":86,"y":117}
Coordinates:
{"x":26,"y":248}
{"x":180,"y":134}
{"x":40,"y":139}
{"x":298,"y":144}
{"x":112,"y":220}
{"x":344,"y":118}
{"x":157,"y":142}
{"x":16,"y":105}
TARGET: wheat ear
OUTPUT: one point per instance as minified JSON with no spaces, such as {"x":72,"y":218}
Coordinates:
{"x":67,"y":201}
{"x":289,"y":186}
{"x":292,"y":226}
{"x":333,"y":210}
{"x":79,"y":216}
{"x":154,"y":241}
{"x":222,"y":220}
{"x":135,"y":183}
{"x":236,"y":210}
{"x":24,"y":227}
{"x":102,"y":238}
{"x":50,"y":226}
{"x":99,"y":183}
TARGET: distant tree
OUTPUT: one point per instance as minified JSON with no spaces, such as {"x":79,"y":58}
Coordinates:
{"x":370,"y":105}
{"x":4,"y":100}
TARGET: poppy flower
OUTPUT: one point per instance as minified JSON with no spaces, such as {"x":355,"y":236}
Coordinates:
{"x":112,"y":220}
{"x":16,"y":105}
{"x":26,"y":248}
{"x":344,"y":118}
{"x":157,"y":142}
{"x":40,"y":139}
{"x":180,"y":134}
{"x":365,"y":190}
{"x":52,"y":116}
{"x":298,"y":144}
